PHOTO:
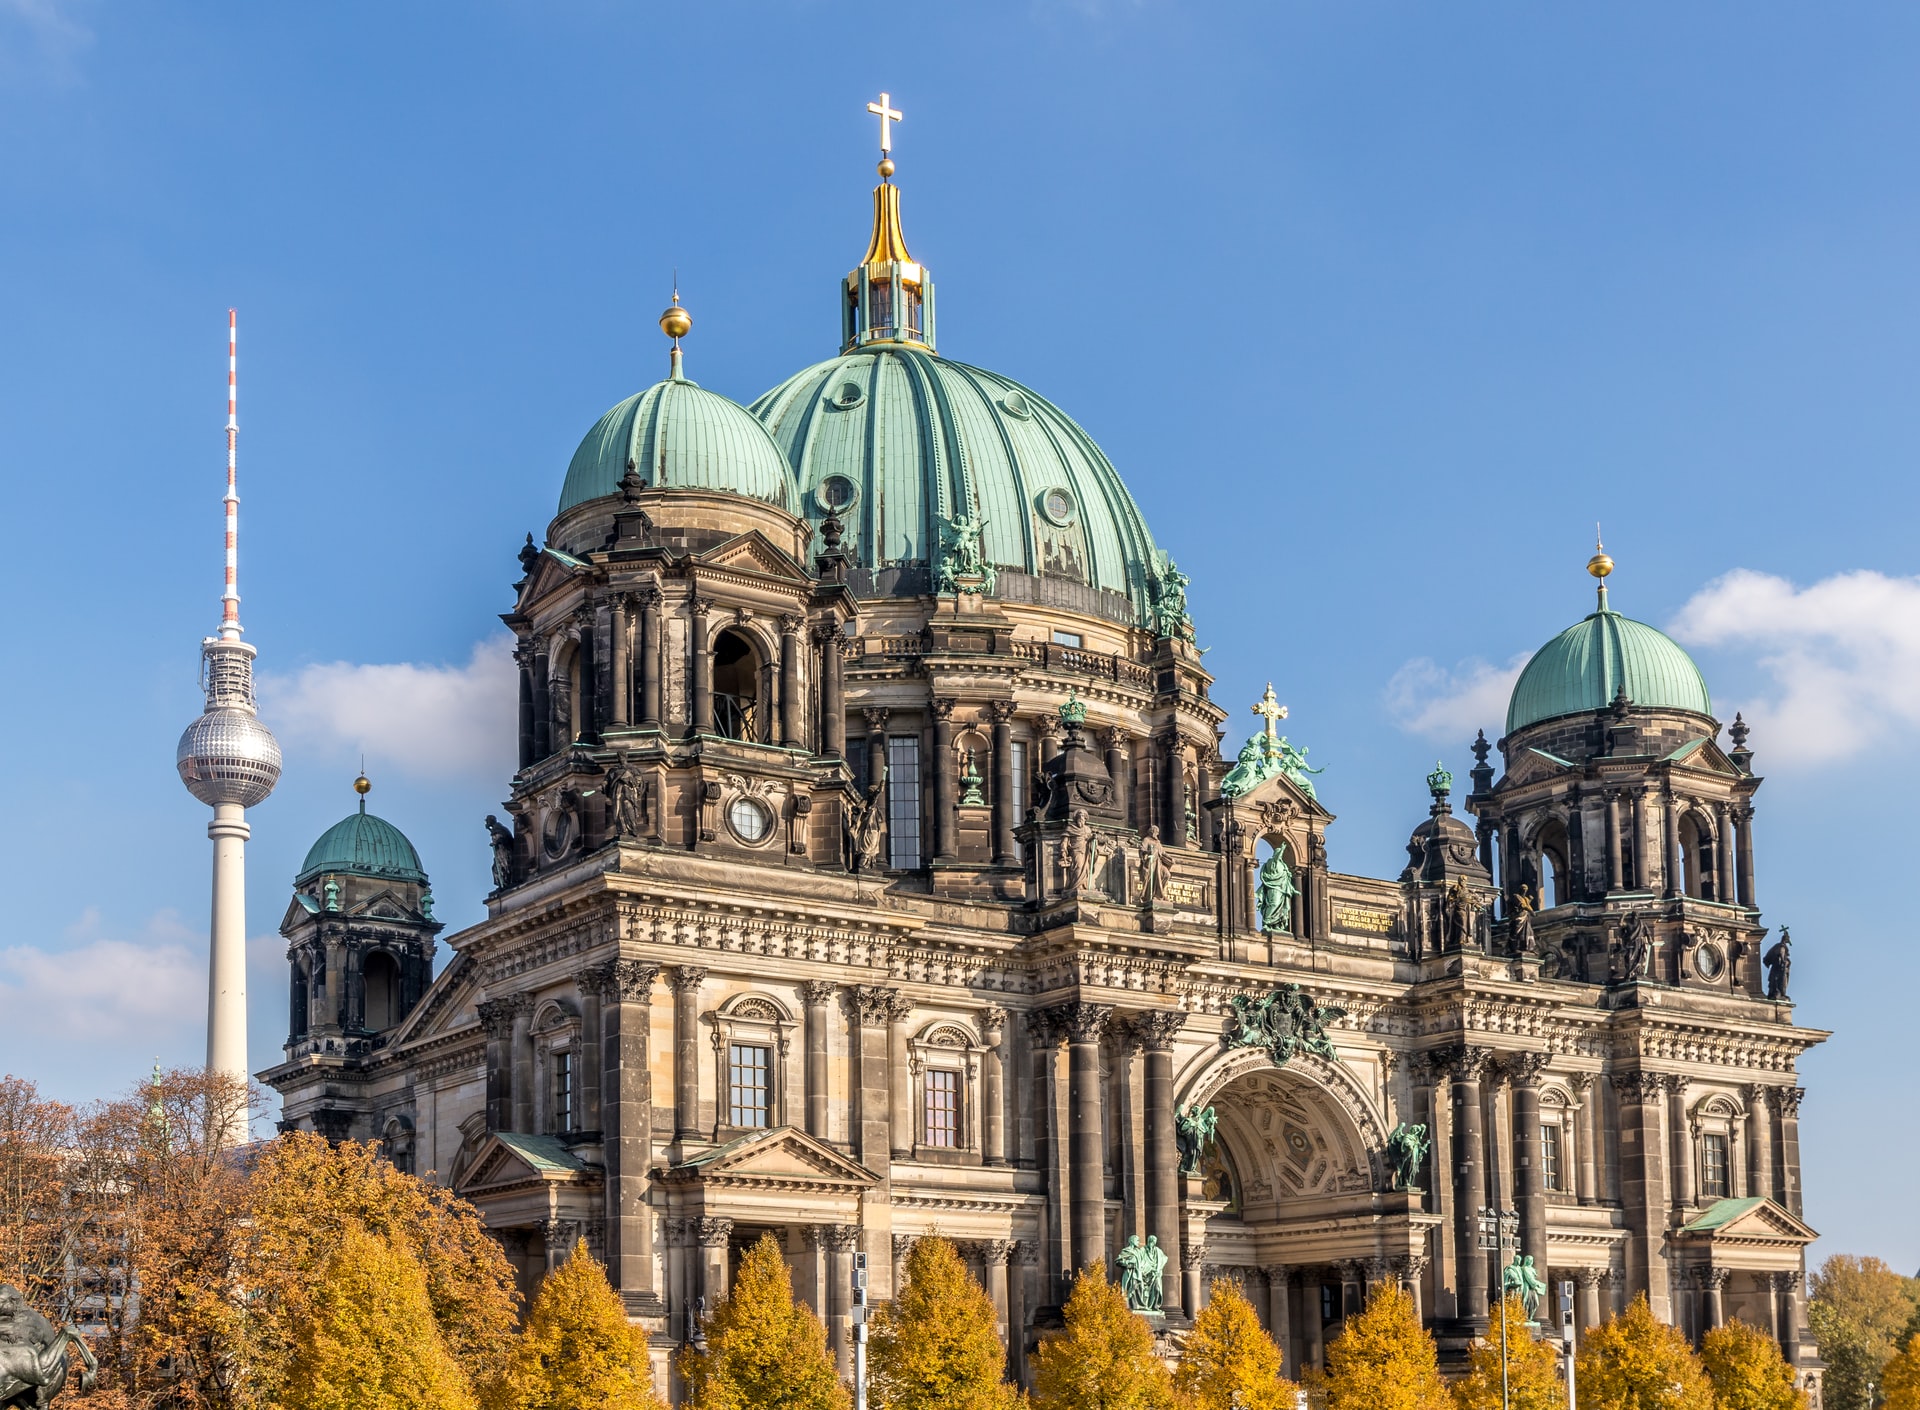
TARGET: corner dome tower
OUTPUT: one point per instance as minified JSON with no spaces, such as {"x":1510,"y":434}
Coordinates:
{"x":895,"y":441}
{"x":1590,"y":664}
{"x":361,"y":844}
{"x":678,"y":435}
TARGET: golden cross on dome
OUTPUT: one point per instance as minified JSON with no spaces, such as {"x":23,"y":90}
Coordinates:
{"x":1271,"y":710}
{"x":888,"y":116}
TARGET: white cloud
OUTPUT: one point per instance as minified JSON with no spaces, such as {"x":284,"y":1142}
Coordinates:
{"x":99,"y":987}
{"x":40,"y":40}
{"x":1844,"y":655}
{"x":1448,"y":706}
{"x":427,"y":721}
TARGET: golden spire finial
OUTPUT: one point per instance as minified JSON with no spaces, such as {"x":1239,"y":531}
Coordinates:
{"x":362,"y":786}
{"x":1599,"y":565}
{"x":675,"y":323}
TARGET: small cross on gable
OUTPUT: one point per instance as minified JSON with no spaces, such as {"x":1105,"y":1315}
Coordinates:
{"x":1271,"y":710}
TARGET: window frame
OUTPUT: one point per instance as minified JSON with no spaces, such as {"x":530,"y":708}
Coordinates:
{"x":752,"y":1019}
{"x":948,"y":1046}
{"x":905,"y":805}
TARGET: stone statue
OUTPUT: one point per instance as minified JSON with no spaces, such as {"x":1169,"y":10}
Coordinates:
{"x":1156,"y":867}
{"x":1075,"y":843}
{"x":1407,"y":1148}
{"x":33,"y":1355}
{"x":1461,"y":909}
{"x":1523,"y":943}
{"x":963,"y":565}
{"x":502,"y":853}
{"x":1142,"y":1273}
{"x":1284,"y":1022}
{"x":627,"y":798}
{"x":1521,"y":1277}
{"x":866,"y":825}
{"x":1193,"y":1129}
{"x":1099,"y":853}
{"x":1276,"y":895}
{"x":1779,"y":963}
{"x":1170,"y":604}
{"x":1636,"y":941}
{"x":1249,"y":772}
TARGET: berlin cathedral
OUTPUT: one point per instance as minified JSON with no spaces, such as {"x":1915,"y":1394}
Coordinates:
{"x":874,"y":868}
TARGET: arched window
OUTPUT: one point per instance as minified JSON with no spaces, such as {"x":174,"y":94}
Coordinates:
{"x":736,"y":687}
{"x":1556,"y":877}
{"x":381,"y":978}
{"x":1696,"y":857}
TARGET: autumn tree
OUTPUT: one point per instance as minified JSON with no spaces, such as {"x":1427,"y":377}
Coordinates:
{"x":1228,"y":1362}
{"x":1636,"y":1362}
{"x":1532,"y":1367}
{"x":1747,"y":1370}
{"x":1104,"y":1358}
{"x":304,"y":1199}
{"x":1383,"y":1359}
{"x":36,"y":1232}
{"x":936,"y":1346}
{"x":764,"y":1351}
{"x":370,"y":1340}
{"x":578,"y":1351}
{"x":1900,"y":1378}
{"x":1857,"y":1312}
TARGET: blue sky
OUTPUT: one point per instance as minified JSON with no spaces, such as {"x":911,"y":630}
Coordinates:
{"x":1377,"y":307}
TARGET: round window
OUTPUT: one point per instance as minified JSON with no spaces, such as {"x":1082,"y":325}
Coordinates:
{"x":1057,"y":505}
{"x":1708,"y":962}
{"x":836,"y":494}
{"x":847,"y":396}
{"x":1016,"y":405}
{"x":750,"y":819}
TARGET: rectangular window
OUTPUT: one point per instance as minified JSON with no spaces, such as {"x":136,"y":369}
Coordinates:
{"x":1019,"y":759}
{"x":562,"y":1121}
{"x":943,"y":1108}
{"x":1713,"y":1167}
{"x":1550,"y":1156}
{"x":1072,"y":639}
{"x":903,"y":801}
{"x":749,"y":1089}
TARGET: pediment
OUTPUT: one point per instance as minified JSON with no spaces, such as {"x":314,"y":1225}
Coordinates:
{"x":1282,"y":798}
{"x":298,"y":909}
{"x":782,"y":1158}
{"x":752,"y":552}
{"x":448,"y":1004}
{"x":1748,"y":1221}
{"x":1706,"y":755}
{"x":506,"y":1158}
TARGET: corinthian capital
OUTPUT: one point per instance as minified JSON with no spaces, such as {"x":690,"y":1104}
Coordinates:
{"x":1157,"y":1028}
{"x":1084,"y":1022}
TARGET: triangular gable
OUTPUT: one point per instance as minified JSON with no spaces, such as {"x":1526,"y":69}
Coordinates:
{"x":298,"y":909}
{"x":751,"y":552}
{"x":507,"y":1158}
{"x":550,"y":570}
{"x":450,"y":994}
{"x":1748,"y":1221}
{"x":1280,"y":789}
{"x":1705,"y":754}
{"x":784,"y":1157}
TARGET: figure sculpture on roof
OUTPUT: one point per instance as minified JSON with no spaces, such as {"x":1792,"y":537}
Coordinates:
{"x":502,"y":841}
{"x":963,"y":565}
{"x":1779,"y":963}
{"x":1276,"y":893}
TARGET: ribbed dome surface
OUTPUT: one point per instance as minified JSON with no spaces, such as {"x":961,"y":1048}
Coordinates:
{"x":363,"y":845}
{"x":896,"y":438}
{"x":1588,"y":664}
{"x":679,"y":436}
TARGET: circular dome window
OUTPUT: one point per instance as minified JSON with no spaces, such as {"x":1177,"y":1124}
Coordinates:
{"x":1016,"y":405}
{"x":750,"y":820}
{"x":1708,"y":963}
{"x":1058,"y":506}
{"x":847,"y":396}
{"x":836,"y":494}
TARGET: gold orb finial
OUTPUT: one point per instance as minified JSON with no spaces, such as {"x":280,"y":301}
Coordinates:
{"x":1599,"y":565}
{"x":676,"y":320}
{"x":886,"y":168}
{"x":361,"y":786}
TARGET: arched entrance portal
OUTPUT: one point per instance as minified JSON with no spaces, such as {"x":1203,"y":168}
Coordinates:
{"x":1292,"y":1201}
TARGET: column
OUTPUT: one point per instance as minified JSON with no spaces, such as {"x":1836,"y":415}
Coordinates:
{"x":817,"y":993}
{"x":1585,"y":1127}
{"x":1643,"y":1187}
{"x":1280,"y":1319}
{"x":870,"y":1005}
{"x":1642,"y":879}
{"x":652,"y":643}
{"x":1158,"y":1030}
{"x":1464,"y":1066}
{"x":1676,"y":879}
{"x":793,"y":714}
{"x":1529,"y":1181}
{"x":993,"y":1095}
{"x":1049,"y":739}
{"x":701,"y":679}
{"x":1712,"y":1282}
{"x":1026,"y":1258}
{"x":686,"y":1050}
{"x":542,"y":706}
{"x":942,"y":765}
{"x":1723,"y":889}
{"x":713,"y":1236}
{"x":1314,"y":1325}
{"x":1760,"y":1142}
{"x":1193,"y":1262}
{"x":522,"y":1042}
{"x":1786,"y":1291}
{"x":900,"y":1122}
{"x":626,"y":1094}
{"x":1680,"y":1132}
{"x":588,"y":705}
{"x":1086,"y":1142}
{"x":523,"y":659}
{"x":833,"y":711}
{"x":1743,"y":846}
{"x":1787,"y":1170}
{"x":876,"y":746}
{"x":622,"y":678}
{"x":1176,"y":790}
{"x":592,"y":1055}
{"x":1005,"y":851}
{"x":838,"y":1240}
{"x":1116,"y":769}
{"x":1588,"y":1314}
{"x":1614,"y":880}
{"x":496,"y":1017}
{"x":993,"y":1260}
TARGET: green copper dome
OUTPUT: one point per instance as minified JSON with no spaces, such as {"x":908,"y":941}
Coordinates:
{"x":1591,"y":662}
{"x":894,"y":439}
{"x":678,"y":435}
{"x":363,"y":845}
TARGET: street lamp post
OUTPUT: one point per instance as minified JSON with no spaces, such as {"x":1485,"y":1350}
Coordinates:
{"x":1566,"y":1334}
{"x":1500,"y":1233}
{"x":859,"y":1331}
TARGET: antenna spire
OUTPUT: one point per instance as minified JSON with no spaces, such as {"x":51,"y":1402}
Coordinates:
{"x":230,"y":597}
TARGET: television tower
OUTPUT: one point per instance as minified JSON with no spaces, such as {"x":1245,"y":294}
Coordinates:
{"x":230,"y":761}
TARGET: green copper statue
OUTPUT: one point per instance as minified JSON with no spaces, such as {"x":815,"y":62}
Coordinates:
{"x":1284,"y":1022}
{"x":1276,"y":895}
{"x":1193,"y":1128}
{"x":963,"y":565}
{"x":1407,"y":1148}
{"x":1520,"y":1277}
{"x":1143,"y":1270}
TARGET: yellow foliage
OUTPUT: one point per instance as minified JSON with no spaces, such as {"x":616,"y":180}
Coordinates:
{"x":1533,"y":1368}
{"x":578,"y":1351}
{"x":937,"y":1345}
{"x":370,"y":1342}
{"x":764,"y":1350}
{"x":1383,"y":1359}
{"x":1103,"y":1359}
{"x":1900,"y":1381}
{"x":306,"y":1195}
{"x":1635,"y":1362}
{"x":1228,"y":1362}
{"x":1747,"y":1370}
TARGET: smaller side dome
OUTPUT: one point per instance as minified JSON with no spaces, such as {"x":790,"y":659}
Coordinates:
{"x":678,"y":435}
{"x":361,"y":844}
{"x":1590,"y":663}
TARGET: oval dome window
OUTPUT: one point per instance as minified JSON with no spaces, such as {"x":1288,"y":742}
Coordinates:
{"x":836,"y":494}
{"x":847,"y":396}
{"x":1016,"y":405}
{"x":1057,"y":506}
